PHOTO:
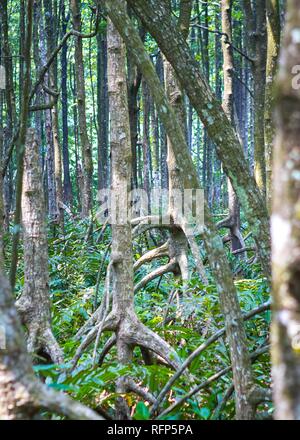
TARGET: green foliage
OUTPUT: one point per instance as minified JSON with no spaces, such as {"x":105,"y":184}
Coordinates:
{"x":197,"y":318}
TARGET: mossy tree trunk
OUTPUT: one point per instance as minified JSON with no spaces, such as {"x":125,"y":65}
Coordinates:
{"x":286,"y":227}
{"x":273,"y":32}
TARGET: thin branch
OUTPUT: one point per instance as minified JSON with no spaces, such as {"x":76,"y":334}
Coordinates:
{"x":196,"y":389}
{"x":227,"y":41}
{"x":262,"y":308}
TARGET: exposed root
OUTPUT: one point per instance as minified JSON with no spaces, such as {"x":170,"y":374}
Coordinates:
{"x":133,"y":387}
{"x":60,"y":403}
{"x":135,"y":333}
{"x":40,"y":338}
{"x":196,"y":254}
{"x":143,"y":227}
{"x":160,"y":252}
{"x":109,"y":344}
{"x":262,"y":308}
{"x":109,"y":324}
{"x":99,"y":314}
{"x":169,"y":267}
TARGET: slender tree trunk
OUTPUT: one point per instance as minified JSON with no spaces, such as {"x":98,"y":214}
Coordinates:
{"x":67,"y":185}
{"x":120,"y":184}
{"x":86,"y":147}
{"x":273,"y":32}
{"x":146,"y":141}
{"x":255,"y":14}
{"x":286,"y":229}
{"x":34,"y":303}
{"x":10,"y":109}
{"x":102,"y":105}
{"x":20,"y":144}
{"x":233,"y":221}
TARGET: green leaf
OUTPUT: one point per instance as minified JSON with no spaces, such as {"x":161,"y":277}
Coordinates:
{"x":142,"y":412}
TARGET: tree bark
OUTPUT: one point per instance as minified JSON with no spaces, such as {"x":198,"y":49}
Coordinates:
{"x":86,"y":147}
{"x":285,"y":227}
{"x":103,"y":116}
{"x":34,"y":303}
{"x":233,"y":221}
{"x":255,"y":14}
{"x":67,"y":184}
{"x":273,"y":32}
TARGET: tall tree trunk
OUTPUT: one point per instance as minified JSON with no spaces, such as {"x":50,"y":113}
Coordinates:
{"x":86,"y":147}
{"x":102,"y":106}
{"x":233,"y":221}
{"x":34,"y":303}
{"x":273,"y":32}
{"x":21,"y":140}
{"x":10,"y":109}
{"x":255,"y":14}
{"x":285,"y":227}
{"x":146,"y":141}
{"x":116,"y":313}
{"x":67,"y":185}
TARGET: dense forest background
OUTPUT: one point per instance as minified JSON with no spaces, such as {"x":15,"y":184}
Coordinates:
{"x":144,"y":319}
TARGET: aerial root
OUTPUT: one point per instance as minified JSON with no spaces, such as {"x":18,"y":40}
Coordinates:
{"x":162,"y":251}
{"x":143,"y":224}
{"x":169,"y":267}
{"x":62,"y":404}
{"x":205,"y":384}
{"x":110,"y":323}
{"x":138,"y":334}
{"x":131,"y":386}
{"x":109,"y":344}
{"x":100,"y":314}
{"x":51,"y":347}
{"x":222,"y":403}
{"x":260,"y":309}
{"x":196,"y":254}
{"x":42,"y":340}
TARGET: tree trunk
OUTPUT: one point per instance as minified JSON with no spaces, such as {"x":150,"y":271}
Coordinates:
{"x":255,"y":14}
{"x":86,"y":147}
{"x":285,"y":227}
{"x":102,"y":105}
{"x":273,"y":31}
{"x":67,"y":185}
{"x":34,"y":303}
{"x":233,"y":221}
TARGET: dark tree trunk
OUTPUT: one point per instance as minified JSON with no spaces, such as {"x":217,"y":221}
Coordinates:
{"x":102,"y":106}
